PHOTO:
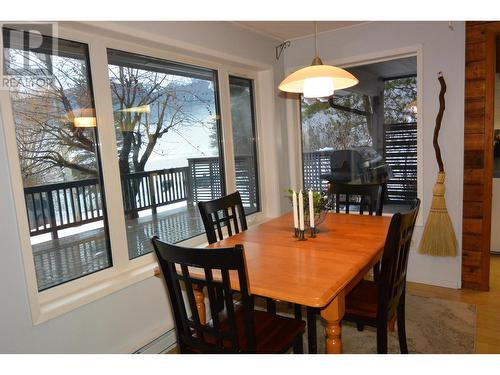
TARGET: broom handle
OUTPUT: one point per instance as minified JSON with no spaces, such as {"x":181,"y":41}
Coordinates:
{"x":439,"y":118}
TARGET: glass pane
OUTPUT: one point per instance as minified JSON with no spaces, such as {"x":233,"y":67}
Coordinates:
{"x":245,"y":152}
{"x":366,"y":133}
{"x":167,"y":129}
{"x":57,"y":140}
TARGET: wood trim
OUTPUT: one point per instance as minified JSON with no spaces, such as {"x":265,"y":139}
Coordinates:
{"x":480,"y":68}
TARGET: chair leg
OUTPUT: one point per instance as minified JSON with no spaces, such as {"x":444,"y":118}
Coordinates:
{"x":311,"y":331}
{"x":392,"y":323}
{"x":376,"y":271}
{"x":300,"y":339}
{"x":298,"y":346}
{"x":382,"y":336}
{"x":403,"y":345}
{"x":298,"y":311}
{"x":271,"y":306}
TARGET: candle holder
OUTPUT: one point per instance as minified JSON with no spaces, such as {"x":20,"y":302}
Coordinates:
{"x":302,"y":235}
{"x":296,"y":232}
{"x":312,"y":232}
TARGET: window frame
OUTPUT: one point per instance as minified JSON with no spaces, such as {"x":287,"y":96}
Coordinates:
{"x":217,"y":104}
{"x":255,"y":136}
{"x":53,"y":302}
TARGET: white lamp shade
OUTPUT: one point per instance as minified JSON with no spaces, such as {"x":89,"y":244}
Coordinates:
{"x":340,"y":78}
{"x":318,"y":87}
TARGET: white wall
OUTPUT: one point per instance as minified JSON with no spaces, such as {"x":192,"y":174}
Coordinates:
{"x":442,"y":50}
{"x":128,"y":319}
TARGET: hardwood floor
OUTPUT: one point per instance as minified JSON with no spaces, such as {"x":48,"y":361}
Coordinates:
{"x":488,"y":306}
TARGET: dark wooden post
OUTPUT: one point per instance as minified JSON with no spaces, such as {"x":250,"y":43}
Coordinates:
{"x":152,"y":191}
{"x":52,"y":213}
{"x":190,"y":194}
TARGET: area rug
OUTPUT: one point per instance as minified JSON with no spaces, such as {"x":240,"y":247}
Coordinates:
{"x":433,"y":326}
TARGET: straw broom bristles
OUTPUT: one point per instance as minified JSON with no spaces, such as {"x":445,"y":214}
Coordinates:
{"x":439,"y":238}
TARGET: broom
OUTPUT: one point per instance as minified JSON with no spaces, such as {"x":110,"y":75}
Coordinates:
{"x":439,"y":238}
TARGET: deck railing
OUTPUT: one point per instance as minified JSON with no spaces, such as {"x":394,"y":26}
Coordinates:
{"x":53,"y":207}
{"x":149,"y":190}
{"x":58,"y":206}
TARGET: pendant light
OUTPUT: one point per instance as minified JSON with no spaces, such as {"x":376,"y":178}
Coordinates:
{"x":317,"y":80}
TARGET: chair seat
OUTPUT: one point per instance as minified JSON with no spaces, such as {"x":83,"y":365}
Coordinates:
{"x":362,"y":300}
{"x":273,"y":333}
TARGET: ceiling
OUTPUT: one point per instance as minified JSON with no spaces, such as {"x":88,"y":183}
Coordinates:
{"x":286,"y":30}
{"x":371,"y":76}
{"x":389,"y":68}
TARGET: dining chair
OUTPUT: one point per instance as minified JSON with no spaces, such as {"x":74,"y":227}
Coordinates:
{"x":235,"y":329}
{"x":228,"y":211}
{"x":369,"y":198}
{"x":374,"y":303}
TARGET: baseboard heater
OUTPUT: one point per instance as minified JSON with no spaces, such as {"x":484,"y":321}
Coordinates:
{"x":160,"y":345}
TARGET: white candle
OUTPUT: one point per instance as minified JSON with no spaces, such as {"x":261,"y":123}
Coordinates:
{"x":294,"y":207}
{"x":301,"y":210}
{"x":311,"y":209}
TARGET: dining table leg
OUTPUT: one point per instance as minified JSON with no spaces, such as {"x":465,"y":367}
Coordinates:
{"x":333,"y":314}
{"x":199,"y":297}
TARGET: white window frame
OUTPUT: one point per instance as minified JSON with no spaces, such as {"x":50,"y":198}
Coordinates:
{"x":124,"y":272}
{"x":293,"y":114}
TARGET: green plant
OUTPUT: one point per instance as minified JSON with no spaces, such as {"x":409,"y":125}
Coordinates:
{"x":319,"y":201}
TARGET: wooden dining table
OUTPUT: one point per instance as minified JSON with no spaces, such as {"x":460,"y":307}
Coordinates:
{"x":317,"y":272}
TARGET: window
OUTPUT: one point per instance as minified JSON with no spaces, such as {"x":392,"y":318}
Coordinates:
{"x":245,"y":151}
{"x":168,"y":139}
{"x":57,"y":141}
{"x":160,"y":127}
{"x":367,"y":133}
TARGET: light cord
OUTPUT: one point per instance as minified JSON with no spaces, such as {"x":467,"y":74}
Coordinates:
{"x":316,"y":37}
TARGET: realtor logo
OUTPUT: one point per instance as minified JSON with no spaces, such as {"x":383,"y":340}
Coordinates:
{"x":28,"y":50}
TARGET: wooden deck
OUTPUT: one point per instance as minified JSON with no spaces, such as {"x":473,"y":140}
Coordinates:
{"x":68,"y":258}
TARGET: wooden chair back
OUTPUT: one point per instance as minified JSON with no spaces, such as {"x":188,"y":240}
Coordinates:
{"x":368,"y":197}
{"x":227,"y":211}
{"x":221,"y":335}
{"x":394,"y":264}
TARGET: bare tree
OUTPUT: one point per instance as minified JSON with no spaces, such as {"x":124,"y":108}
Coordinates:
{"x":44,"y":109}
{"x":52,"y":149}
{"x":148,"y":105}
